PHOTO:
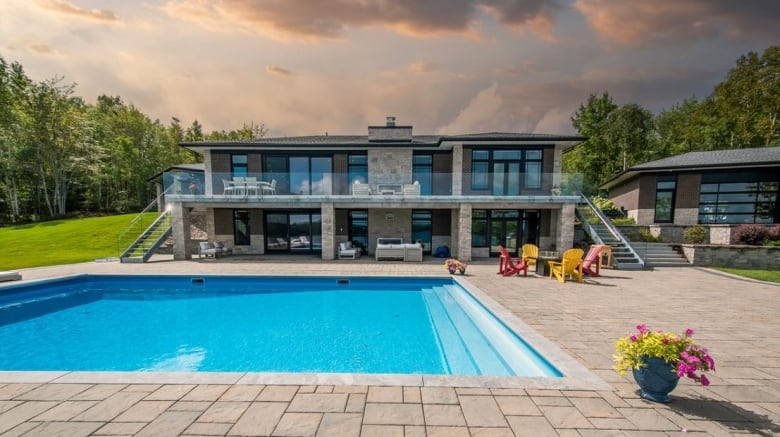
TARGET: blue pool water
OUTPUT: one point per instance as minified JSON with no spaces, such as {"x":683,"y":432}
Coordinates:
{"x":258,"y":324}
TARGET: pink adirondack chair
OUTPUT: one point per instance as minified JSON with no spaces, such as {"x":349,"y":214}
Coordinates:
{"x":593,"y":258}
{"x":507,"y":266}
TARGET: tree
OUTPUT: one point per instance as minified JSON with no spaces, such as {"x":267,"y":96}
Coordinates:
{"x":591,"y":157}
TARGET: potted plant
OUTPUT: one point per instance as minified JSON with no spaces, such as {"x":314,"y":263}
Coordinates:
{"x":453,"y":265}
{"x":659,"y":359}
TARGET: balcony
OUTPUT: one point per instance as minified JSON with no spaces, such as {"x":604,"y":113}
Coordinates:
{"x":295,"y":188}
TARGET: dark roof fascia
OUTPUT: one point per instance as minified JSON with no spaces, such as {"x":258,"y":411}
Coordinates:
{"x":631,"y":173}
{"x":185,"y":167}
{"x":467,"y":138}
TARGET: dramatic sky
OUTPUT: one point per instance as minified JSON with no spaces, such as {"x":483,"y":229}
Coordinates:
{"x":444,"y":66}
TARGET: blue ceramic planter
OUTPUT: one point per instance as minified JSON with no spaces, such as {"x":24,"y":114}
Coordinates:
{"x":656,"y":380}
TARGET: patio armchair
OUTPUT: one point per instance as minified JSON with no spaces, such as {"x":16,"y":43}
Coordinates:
{"x":252,"y":187}
{"x":570,"y":266}
{"x":593,"y":256}
{"x":347,"y":250}
{"x":267,"y":187}
{"x":530,"y":254}
{"x":359,"y":189}
{"x":508,"y":266}
{"x":208,"y":250}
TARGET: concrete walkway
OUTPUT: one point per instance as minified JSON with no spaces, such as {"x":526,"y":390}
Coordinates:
{"x":738,"y":320}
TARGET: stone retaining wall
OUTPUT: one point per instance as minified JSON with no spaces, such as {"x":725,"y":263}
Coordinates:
{"x":736,"y":256}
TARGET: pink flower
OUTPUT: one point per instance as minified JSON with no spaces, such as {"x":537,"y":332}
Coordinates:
{"x":665,"y":341}
{"x":704,"y":380}
{"x":633,"y":338}
{"x":642,"y":328}
{"x":688,"y":332}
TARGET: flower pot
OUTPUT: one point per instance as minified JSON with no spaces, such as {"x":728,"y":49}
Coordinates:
{"x":656,"y":380}
{"x":462,"y":271}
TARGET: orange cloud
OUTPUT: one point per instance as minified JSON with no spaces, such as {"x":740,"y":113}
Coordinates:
{"x":68,"y":8}
{"x":330,"y":19}
{"x":662,"y":22}
{"x":40,"y":48}
{"x":423,"y":67}
{"x":278,"y":71}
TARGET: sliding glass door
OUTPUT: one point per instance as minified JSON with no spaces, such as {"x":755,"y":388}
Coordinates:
{"x":293,"y":232}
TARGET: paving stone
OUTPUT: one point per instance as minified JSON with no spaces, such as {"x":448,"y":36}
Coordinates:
{"x":190,"y":406}
{"x":318,"y":403}
{"x":200,"y":428}
{"x":446,"y":431}
{"x":20,"y":429}
{"x":517,"y":406}
{"x":438,"y":395}
{"x":205,"y":393}
{"x":121,"y":428}
{"x":323,"y":389}
{"x":613,"y":399}
{"x":531,"y":426}
{"x":340,"y":425}
{"x":647,"y":419}
{"x":414,"y":431}
{"x":54,"y":392}
{"x":472,"y":391}
{"x":444,"y":415}
{"x":144,"y":411}
{"x":98,"y":392}
{"x":580,"y":394}
{"x":64,"y":429}
{"x":298,"y":424}
{"x":259,"y":419}
{"x":385,"y":394}
{"x":556,"y":401}
{"x":350,"y":389}
{"x":10,"y":391}
{"x":169,"y":423}
{"x":148,"y":388}
{"x":382,"y":431}
{"x":508,"y":392}
{"x":356,"y":403}
{"x":7,"y":405}
{"x":565,"y":417}
{"x":482,"y":411}
{"x":241,"y":393}
{"x":603,"y":423}
{"x":543,"y":392}
{"x":22,"y":413}
{"x":224,"y":412}
{"x":394,"y":414}
{"x":64,"y":411}
{"x":111,"y":407}
{"x":596,"y":433}
{"x":491,"y":432}
{"x":172,"y":392}
{"x":595,"y":407}
{"x":412,"y":395}
{"x":277,"y":393}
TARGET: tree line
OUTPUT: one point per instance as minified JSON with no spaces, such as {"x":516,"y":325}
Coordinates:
{"x":741,"y":112}
{"x":60,"y":155}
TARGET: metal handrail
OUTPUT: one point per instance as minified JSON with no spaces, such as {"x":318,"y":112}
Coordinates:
{"x":611,"y":227}
{"x":136,"y":222}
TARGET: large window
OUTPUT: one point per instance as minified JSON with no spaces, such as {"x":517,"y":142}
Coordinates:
{"x":508,"y":228}
{"x":239,"y":165}
{"x":358,"y":169}
{"x":295,"y":232}
{"x":479,"y":228}
{"x":422,"y":172}
{"x":506,"y":172}
{"x":304,"y":175}
{"x":422,"y":229}
{"x":665,"y":189}
{"x":358,"y":229}
{"x":736,"y":202}
{"x":241,"y":229}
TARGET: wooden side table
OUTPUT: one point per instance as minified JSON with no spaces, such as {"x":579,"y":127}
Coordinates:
{"x":606,"y":252}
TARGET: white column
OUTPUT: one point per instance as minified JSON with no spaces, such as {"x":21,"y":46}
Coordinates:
{"x":328,"y":217}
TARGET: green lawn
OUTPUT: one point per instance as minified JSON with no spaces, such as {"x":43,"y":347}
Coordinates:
{"x":61,"y":241}
{"x":761,"y":275}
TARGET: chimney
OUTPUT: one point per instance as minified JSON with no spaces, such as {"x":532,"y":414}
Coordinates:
{"x":390,"y":132}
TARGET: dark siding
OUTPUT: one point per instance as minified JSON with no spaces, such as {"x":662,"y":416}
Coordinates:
{"x":544,"y":227}
{"x":647,"y":191}
{"x":220,"y":169}
{"x":442,"y":174}
{"x":254,"y":163}
{"x":441,"y":222}
{"x":340,"y":173}
{"x":223,"y":221}
{"x":256,"y":221}
{"x":688,"y":187}
{"x":342,"y":222}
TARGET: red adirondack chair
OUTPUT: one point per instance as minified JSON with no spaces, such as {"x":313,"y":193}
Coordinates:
{"x":593,"y":256}
{"x":507,"y":266}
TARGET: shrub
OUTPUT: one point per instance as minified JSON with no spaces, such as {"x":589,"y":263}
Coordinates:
{"x":603,"y":203}
{"x":647,"y":237}
{"x":774,"y":233}
{"x":695,"y":235}
{"x":754,"y":235}
{"x":623,"y":221}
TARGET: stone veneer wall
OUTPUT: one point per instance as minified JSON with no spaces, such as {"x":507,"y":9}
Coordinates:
{"x":389,"y":166}
{"x":388,"y":223}
{"x":737,"y":256}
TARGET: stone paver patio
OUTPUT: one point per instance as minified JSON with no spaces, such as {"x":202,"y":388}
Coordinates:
{"x":737,"y":319}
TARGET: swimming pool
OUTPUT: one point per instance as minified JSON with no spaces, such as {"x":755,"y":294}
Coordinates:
{"x":258,"y":324}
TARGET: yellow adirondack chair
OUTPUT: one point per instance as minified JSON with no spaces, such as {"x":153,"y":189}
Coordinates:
{"x":530,"y":253}
{"x":570,"y":265}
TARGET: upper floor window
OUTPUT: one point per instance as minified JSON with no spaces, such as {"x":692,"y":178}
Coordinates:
{"x":239,"y":165}
{"x":506,"y":171}
{"x":358,"y":169}
{"x":422,"y":172}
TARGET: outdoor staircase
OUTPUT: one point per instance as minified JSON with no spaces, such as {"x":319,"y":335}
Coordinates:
{"x":660,"y":255}
{"x":149,"y":241}
{"x":601,"y":230}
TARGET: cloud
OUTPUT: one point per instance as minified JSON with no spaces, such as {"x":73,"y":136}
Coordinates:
{"x":68,"y":8}
{"x":423,"y":67}
{"x":278,"y":71}
{"x":41,"y":48}
{"x":668,"y":22}
{"x":479,"y":115}
{"x":331,"y":19}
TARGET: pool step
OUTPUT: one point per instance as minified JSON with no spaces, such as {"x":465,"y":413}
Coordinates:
{"x":465,"y":347}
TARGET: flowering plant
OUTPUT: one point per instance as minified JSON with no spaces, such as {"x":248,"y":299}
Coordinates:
{"x":688,"y":358}
{"x":453,"y":265}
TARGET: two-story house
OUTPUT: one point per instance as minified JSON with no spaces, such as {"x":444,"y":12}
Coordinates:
{"x":306,"y":195}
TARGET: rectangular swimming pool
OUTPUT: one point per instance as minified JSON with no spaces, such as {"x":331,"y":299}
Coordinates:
{"x":258,"y":324}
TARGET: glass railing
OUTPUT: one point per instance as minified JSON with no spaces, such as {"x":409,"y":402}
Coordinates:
{"x":260,"y":185}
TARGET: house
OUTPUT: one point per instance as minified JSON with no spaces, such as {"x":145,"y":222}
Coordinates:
{"x":726,"y":187}
{"x":307,"y":194}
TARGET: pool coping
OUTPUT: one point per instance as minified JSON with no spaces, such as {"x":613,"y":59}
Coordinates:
{"x":576,"y":376}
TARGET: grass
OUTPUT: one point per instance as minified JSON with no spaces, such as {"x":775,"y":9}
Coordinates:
{"x":761,"y":275}
{"x":61,"y":241}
